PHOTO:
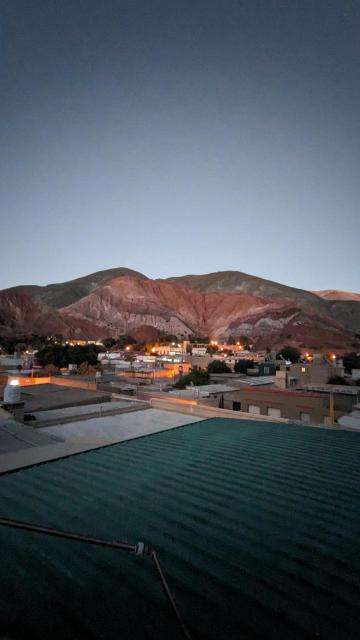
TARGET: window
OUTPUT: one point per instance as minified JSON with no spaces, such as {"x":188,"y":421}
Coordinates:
{"x":304,"y":417}
{"x":254,"y":408}
{"x":274,"y":412}
{"x":266,"y":370}
{"x":236,"y":406}
{"x":303,"y":370}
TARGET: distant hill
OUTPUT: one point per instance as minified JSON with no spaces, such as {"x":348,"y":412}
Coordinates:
{"x":218,"y":305}
{"x":64,"y":293}
{"x":346,"y":314}
{"x":238,"y":282}
{"x":334,"y":294}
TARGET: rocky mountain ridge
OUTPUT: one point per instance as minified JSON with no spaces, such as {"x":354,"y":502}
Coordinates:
{"x":216,"y":305}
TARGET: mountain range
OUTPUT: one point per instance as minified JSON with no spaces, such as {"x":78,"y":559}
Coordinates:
{"x":218,"y":305}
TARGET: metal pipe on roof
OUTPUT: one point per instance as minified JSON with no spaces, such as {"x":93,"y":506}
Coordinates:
{"x":165,"y":585}
{"x":138,"y":549}
{"x":68,"y":535}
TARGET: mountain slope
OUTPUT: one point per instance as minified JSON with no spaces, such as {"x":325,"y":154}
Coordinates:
{"x":238,"y":282}
{"x":65,"y":293}
{"x":346,"y":313}
{"x":217,"y":305}
{"x":124,"y":304}
{"x":335,"y":294}
{"x":21,"y":315}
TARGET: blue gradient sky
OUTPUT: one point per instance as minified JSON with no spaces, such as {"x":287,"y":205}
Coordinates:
{"x":179,"y":137}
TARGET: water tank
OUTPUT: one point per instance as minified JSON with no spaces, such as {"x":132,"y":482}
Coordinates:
{"x":12,"y":393}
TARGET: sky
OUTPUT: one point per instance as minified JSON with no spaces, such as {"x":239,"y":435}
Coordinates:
{"x":182,"y":136}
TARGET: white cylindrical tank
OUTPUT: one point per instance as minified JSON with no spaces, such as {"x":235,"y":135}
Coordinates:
{"x":12,"y":393}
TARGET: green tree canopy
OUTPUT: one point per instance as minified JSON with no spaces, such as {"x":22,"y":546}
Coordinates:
{"x":63,"y":355}
{"x":218,"y":366}
{"x":337,"y":380}
{"x":196,"y":376}
{"x":124,"y":341}
{"x":241,"y":366}
{"x":290,"y":353}
{"x":109,"y":343}
{"x":351,"y":361}
{"x":211,"y":349}
{"x":245,"y":342}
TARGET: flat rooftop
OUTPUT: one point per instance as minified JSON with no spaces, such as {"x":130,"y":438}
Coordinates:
{"x":23,"y":445}
{"x":41,"y":397}
{"x":83,"y":412}
{"x":201,"y":390}
{"x":256,"y":526}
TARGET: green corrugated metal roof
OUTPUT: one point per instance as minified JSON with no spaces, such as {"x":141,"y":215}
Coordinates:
{"x":257,"y":527}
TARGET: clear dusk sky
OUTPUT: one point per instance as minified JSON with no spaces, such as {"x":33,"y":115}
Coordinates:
{"x":178,"y":137}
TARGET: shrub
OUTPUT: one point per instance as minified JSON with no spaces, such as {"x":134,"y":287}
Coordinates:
{"x":196,"y":376}
{"x":218,"y":366}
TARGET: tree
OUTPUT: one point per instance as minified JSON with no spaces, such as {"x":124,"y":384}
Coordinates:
{"x":50,"y":370}
{"x":124,"y":341}
{"x":241,"y":366}
{"x":290,"y":353}
{"x":63,"y":355}
{"x":218,"y":366}
{"x":86,"y":369}
{"x":337,"y":380}
{"x":108,"y":343}
{"x":21,"y":347}
{"x":245,"y":343}
{"x":168,"y":337}
{"x":351,"y":361}
{"x":196,"y":376}
{"x":8,"y":344}
{"x":211,"y":349}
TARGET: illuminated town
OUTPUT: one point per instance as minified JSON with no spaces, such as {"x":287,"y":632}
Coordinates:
{"x":179,"y":320}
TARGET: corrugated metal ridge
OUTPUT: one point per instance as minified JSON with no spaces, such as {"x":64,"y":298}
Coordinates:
{"x":257,"y":525}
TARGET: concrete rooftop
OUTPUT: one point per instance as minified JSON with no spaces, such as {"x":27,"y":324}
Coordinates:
{"x":23,"y":446}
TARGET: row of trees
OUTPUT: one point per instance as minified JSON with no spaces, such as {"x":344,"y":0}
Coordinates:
{"x":120,"y":343}
{"x":21,"y":343}
{"x":351,"y":361}
{"x":198,"y":376}
{"x":59,"y":355}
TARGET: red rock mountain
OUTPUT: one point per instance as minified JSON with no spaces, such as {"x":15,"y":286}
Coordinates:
{"x":215,"y":305}
{"x":21,"y":315}
{"x":335,"y":294}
